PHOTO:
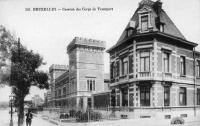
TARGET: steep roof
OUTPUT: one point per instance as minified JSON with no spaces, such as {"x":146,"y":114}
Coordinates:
{"x":169,"y":27}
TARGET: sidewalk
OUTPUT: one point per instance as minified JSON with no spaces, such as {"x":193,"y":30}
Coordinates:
{"x":36,"y":121}
{"x":190,"y":121}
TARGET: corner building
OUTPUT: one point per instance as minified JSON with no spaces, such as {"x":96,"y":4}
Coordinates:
{"x":153,"y":65}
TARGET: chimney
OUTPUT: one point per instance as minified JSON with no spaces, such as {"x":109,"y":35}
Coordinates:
{"x":158,"y":7}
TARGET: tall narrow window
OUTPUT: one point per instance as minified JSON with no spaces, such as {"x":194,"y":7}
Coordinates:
{"x":144,"y":61}
{"x":182,"y":96}
{"x":88,"y":85}
{"x":182,"y":64}
{"x":59,"y":92}
{"x":198,"y":96}
{"x":64,"y":90}
{"x":55,"y":94}
{"x":145,"y":96}
{"x":117,"y":69}
{"x":131,"y":64}
{"x":166,"y":95}
{"x":112,"y":70}
{"x":198,"y":68}
{"x":124,"y":66}
{"x":89,"y":102}
{"x":144,"y":23}
{"x":161,"y":28}
{"x":91,"y":85}
{"x":166,"y":62}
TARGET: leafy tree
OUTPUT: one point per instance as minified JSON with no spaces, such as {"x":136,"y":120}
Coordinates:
{"x":19,"y":69}
{"x":24,"y":74}
{"x":6,"y":42}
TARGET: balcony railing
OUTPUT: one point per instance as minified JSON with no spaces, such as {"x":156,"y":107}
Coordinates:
{"x":123,"y":78}
{"x":144,"y":74}
{"x":167,"y":76}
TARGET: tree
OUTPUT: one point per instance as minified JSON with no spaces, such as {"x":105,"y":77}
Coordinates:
{"x":19,"y":69}
{"x":24,"y":74}
{"x":6,"y":42}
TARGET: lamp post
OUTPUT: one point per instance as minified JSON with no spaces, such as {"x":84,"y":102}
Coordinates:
{"x":11,"y":109}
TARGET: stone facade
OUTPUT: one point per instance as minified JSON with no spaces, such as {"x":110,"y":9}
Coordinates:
{"x":55,"y":71}
{"x":86,"y":69}
{"x":152,"y":64}
{"x":73,"y":87}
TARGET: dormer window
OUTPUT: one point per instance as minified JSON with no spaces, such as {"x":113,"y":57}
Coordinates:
{"x":131,"y":28}
{"x":129,"y":32}
{"x":144,"y":23}
{"x":161,"y":28}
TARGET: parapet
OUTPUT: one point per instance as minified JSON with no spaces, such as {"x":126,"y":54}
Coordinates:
{"x":86,"y":42}
{"x":58,"y":67}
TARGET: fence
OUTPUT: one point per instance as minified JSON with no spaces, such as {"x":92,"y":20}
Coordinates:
{"x":109,"y":113}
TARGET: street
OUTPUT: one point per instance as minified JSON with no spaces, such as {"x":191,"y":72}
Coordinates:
{"x":37,"y":121}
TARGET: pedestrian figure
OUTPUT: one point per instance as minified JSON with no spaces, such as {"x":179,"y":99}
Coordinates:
{"x":29,"y":117}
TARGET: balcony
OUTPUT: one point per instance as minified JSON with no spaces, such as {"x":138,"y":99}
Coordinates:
{"x":167,"y":76}
{"x":145,"y":75}
{"x":123,"y":78}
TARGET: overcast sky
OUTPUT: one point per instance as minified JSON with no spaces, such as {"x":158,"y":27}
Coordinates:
{"x":48,"y":33}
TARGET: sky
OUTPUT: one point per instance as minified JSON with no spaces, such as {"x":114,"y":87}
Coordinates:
{"x":49,"y":32}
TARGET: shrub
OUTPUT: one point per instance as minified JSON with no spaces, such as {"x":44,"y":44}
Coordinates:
{"x":96,"y":116}
{"x":62,"y":116}
{"x":78,"y":114}
{"x":72,"y":113}
{"x":66,"y":115}
{"x":83,"y":117}
{"x":177,"y":120}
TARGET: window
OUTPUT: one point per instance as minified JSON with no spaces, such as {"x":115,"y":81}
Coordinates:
{"x":166,"y":95}
{"x":89,"y":102}
{"x":131,"y":64}
{"x":161,"y":28}
{"x":59,"y":92}
{"x":166,"y":62}
{"x":144,"y":23}
{"x":124,"y":66}
{"x":64,"y":90}
{"x":145,"y":96}
{"x":145,"y":61}
{"x":55,"y":94}
{"x":198,"y":96}
{"x":117,"y":69}
{"x":198,"y":68}
{"x":91,"y":85}
{"x":182,"y":96}
{"x":112,"y":70}
{"x":182,"y":64}
{"x":129,"y":32}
